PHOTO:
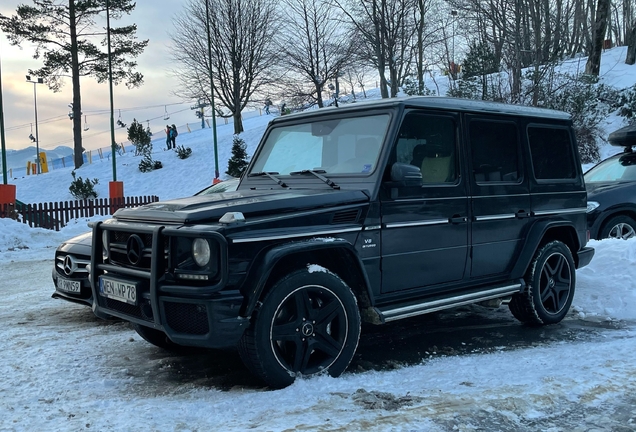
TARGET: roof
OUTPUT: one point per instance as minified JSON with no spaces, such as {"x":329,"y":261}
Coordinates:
{"x":438,"y":102}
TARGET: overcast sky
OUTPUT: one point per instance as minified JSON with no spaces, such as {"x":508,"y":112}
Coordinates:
{"x":154,"y":22}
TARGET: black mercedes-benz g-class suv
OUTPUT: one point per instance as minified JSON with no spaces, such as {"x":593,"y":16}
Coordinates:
{"x":370,"y":212}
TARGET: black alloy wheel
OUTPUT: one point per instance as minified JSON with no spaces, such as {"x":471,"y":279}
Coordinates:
{"x":309,"y":324}
{"x":551,"y":281}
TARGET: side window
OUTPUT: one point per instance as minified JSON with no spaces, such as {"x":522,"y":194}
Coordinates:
{"x":495,"y":147}
{"x":428,"y":142}
{"x":552,"y":154}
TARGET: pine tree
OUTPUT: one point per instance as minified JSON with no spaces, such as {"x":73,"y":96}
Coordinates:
{"x":69,"y":39}
{"x":138,"y":136}
{"x":238,"y":162}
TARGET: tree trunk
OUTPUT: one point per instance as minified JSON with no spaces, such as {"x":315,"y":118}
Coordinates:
{"x":593,"y":65}
{"x":630,"y":59}
{"x":319,"y":100}
{"x":78,"y":157}
{"x":238,"y":123}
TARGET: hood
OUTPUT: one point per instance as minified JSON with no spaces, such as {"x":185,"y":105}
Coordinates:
{"x":78,"y":245}
{"x":252,"y":203}
{"x":596,"y":189}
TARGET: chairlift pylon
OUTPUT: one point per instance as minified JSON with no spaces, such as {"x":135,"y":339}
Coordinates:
{"x":166,"y":116}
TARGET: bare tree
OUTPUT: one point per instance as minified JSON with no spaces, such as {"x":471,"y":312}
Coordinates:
{"x":242,"y":33}
{"x":630,"y":58}
{"x":313,"y":47}
{"x":593,"y":65}
{"x":384,"y":30}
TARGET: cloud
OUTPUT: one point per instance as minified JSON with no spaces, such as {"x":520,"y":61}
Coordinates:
{"x":154,"y":21}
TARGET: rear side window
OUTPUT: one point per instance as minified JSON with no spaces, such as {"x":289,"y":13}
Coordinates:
{"x":495,"y":151}
{"x":552,"y":153}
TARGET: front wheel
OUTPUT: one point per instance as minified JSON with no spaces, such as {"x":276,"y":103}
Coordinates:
{"x":551,"y":281}
{"x":309,"y":323}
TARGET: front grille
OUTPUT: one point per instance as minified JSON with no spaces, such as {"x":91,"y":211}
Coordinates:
{"x":118,"y":250}
{"x":187,"y":318}
{"x":77,"y":266}
{"x":142,"y":311}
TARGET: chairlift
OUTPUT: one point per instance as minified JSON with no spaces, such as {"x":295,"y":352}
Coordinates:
{"x":148,"y":131}
{"x":86,"y":126}
{"x":119,"y":122}
{"x":166,"y":116}
{"x":31,"y":137}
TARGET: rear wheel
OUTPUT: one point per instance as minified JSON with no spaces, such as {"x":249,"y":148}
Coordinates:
{"x":619,"y":227}
{"x":308,"y":324}
{"x":551,"y":283}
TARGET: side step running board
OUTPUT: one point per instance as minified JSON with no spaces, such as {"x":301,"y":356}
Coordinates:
{"x":447,"y":303}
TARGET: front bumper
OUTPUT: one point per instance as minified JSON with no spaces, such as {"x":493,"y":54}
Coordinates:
{"x":84,"y":297}
{"x":204,"y":316}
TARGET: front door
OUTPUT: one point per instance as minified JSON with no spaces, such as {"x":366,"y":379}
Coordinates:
{"x":425,"y":228}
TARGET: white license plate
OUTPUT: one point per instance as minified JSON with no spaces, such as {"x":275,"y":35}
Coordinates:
{"x":69,"y":286}
{"x":118,"y":290}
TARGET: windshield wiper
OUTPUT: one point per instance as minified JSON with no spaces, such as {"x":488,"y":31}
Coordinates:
{"x":269,"y":175}
{"x":317,"y":173}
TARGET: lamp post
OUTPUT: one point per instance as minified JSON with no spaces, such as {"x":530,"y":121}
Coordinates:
{"x":35,"y":102}
{"x":115,"y":188}
{"x":2,"y":141}
{"x":216,"y":153}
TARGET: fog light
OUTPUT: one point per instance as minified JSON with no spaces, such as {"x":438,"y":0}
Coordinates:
{"x":201,"y":252}
{"x":192,"y":277}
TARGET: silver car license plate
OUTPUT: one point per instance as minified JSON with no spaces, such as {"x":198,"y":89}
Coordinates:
{"x":117,"y":289}
{"x":68,"y":286}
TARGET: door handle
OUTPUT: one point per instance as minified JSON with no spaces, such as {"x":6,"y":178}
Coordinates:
{"x":521,"y":214}
{"x":456,"y":219}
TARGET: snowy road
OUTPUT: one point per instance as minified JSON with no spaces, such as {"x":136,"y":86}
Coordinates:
{"x":473,"y":369}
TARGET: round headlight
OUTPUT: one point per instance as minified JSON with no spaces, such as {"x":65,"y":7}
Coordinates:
{"x":105,"y":243}
{"x":201,"y":252}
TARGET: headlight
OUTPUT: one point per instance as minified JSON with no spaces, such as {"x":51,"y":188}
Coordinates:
{"x":201,"y":252}
{"x":105,"y":243}
{"x":591,"y":206}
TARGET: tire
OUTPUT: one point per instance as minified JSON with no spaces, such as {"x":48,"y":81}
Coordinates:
{"x":156,"y":337}
{"x":619,"y":227}
{"x":550,"y":281}
{"x":308,"y":324}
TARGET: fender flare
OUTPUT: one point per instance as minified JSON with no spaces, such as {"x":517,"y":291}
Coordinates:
{"x":533,"y":240}
{"x":262,"y":266}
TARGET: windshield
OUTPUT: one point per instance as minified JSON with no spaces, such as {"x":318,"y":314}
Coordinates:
{"x":614,"y":169}
{"x":336,"y":146}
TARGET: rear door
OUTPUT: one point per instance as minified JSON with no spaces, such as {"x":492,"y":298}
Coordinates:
{"x":500,"y":197}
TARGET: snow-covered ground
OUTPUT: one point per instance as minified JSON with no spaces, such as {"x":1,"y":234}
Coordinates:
{"x":63,"y":369}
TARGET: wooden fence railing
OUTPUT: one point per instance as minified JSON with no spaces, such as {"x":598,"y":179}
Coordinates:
{"x":55,"y":215}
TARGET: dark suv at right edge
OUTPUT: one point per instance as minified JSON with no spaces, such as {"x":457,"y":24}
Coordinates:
{"x":370,"y":212}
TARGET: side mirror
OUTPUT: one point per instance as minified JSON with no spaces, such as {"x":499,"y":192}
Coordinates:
{"x":406,"y":175}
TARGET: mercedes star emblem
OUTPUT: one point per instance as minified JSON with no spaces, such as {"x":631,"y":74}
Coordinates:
{"x":69,"y":265}
{"x":134,"y":249}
